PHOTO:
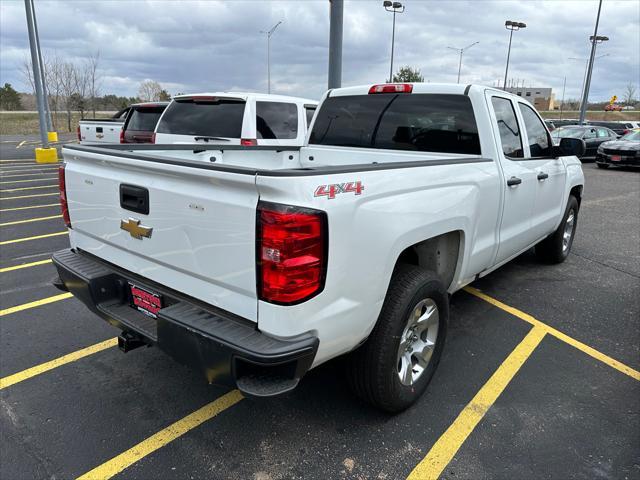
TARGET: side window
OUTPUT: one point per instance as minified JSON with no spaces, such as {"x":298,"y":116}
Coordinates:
{"x":276,"y":120}
{"x":309,"y":111}
{"x":602,"y":132}
{"x":508,"y":126}
{"x":539,"y":144}
{"x":590,"y":133}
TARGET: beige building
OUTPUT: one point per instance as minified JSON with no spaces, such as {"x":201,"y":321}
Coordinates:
{"x":541,"y":98}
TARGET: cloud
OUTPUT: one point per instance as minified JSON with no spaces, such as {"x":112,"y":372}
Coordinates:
{"x":191,"y":46}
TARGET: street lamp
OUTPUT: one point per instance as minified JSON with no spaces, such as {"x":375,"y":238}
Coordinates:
{"x":395,"y":7}
{"x":510,"y":25}
{"x":594,"y":39}
{"x":586,"y":67}
{"x":461,"y":51}
{"x":268,"y":33}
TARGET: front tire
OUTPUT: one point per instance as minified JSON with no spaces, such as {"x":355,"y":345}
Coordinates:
{"x":395,"y":365}
{"x":556,"y":247}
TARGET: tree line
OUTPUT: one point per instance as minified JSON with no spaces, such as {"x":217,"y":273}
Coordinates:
{"x":76,"y":86}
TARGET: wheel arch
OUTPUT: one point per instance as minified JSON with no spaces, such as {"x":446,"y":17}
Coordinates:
{"x":441,"y":254}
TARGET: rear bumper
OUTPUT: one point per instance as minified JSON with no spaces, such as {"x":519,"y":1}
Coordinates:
{"x":225,"y":348}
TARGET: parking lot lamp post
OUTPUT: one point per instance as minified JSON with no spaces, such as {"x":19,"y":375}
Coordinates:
{"x":36,"y":75}
{"x":586,"y":68}
{"x":268,"y":33}
{"x":512,"y":26}
{"x":594,"y":39}
{"x":395,"y":7}
{"x":461,"y":51}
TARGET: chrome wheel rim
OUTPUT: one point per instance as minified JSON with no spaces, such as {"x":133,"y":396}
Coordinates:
{"x":418,"y":341}
{"x":568,"y":231}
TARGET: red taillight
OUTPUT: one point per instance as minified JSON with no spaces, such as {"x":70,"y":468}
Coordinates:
{"x":153,"y":137}
{"x":291,"y":253}
{"x":122,"y":136}
{"x":248,"y":142}
{"x":392,"y":88}
{"x":79,"y":135}
{"x":64,"y":206}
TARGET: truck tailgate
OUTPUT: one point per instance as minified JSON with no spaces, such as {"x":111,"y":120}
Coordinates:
{"x":202,"y":241}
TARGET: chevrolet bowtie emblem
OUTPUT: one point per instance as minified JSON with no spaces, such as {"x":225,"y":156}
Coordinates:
{"x":135,"y":229}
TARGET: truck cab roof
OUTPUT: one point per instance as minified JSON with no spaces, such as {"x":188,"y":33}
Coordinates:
{"x":246,"y":95}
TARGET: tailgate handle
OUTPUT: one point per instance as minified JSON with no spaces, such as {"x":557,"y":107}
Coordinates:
{"x":135,"y":199}
{"x":98,"y":129}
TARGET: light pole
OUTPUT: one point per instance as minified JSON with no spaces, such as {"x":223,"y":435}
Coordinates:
{"x":395,"y":7}
{"x":461,"y":51}
{"x":268,"y":33}
{"x":586,"y":68}
{"x":510,"y":25}
{"x":594,"y":39}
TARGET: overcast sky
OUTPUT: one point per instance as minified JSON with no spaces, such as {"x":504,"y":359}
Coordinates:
{"x":191,"y":46}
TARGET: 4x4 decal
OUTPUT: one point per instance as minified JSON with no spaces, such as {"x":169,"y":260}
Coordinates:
{"x":331,"y":191}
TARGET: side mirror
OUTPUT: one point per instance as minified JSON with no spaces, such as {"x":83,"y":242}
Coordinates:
{"x":570,"y":146}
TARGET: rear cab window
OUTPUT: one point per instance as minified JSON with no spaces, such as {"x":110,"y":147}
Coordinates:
{"x":276,"y":120}
{"x":203,"y":116}
{"x":144,"y":118}
{"x":415,"y":122}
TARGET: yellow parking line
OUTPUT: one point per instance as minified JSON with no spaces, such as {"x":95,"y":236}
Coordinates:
{"x":31,"y":196}
{"x":29,"y":168}
{"x":26,"y":175}
{"x":55,"y":185}
{"x":163,"y":437}
{"x":37,"y":303}
{"x":55,"y":363}
{"x":6,"y":224}
{"x":28,"y":181}
{"x":25,"y":265}
{"x":452,"y":439}
{"x":37,"y":237}
{"x":27,"y":208}
{"x":613,"y":363}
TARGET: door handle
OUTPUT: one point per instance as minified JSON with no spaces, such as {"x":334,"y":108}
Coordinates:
{"x":513,"y":181}
{"x":543,"y":176}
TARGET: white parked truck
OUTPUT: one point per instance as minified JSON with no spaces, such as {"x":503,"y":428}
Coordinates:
{"x":236,"y":118}
{"x":255,"y":264}
{"x":134,"y":124}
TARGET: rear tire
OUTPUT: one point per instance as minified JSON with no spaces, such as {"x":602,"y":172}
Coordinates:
{"x":602,"y":165}
{"x":394,"y":366}
{"x":556,"y":247}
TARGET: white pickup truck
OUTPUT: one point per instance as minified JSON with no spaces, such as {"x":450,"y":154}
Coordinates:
{"x":134,"y":124}
{"x":255,"y":264}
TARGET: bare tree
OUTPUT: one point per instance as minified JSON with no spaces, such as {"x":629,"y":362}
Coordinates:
{"x":27,"y":73}
{"x":93,"y":79}
{"x":630,"y":94}
{"x":149,"y":91}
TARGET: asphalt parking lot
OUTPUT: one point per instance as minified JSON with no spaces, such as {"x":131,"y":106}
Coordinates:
{"x":539,"y":379}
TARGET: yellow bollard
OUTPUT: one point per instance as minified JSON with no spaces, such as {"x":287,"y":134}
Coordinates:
{"x":52,"y":136}
{"x":46,"y":155}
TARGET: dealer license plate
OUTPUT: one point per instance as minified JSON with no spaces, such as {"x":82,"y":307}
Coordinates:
{"x":145,"y":301}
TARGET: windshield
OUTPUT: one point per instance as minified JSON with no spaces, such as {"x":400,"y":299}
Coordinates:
{"x":208,"y":116}
{"x":567,"y":133}
{"x":633,"y":136}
